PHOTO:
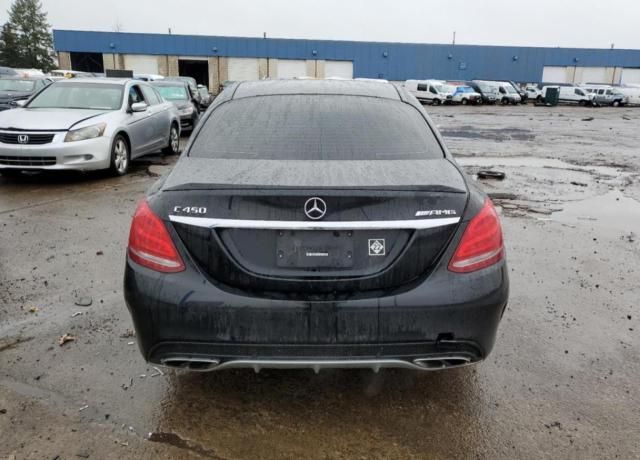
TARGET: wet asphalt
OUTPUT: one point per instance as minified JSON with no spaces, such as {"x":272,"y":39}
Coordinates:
{"x":562,"y":381}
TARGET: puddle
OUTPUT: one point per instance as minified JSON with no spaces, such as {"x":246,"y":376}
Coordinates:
{"x":535,"y":162}
{"x":612,"y":211}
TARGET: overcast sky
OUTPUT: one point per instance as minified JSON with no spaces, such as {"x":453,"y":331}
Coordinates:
{"x":566,"y":23}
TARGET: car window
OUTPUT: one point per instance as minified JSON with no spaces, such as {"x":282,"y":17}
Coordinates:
{"x":150,"y":95}
{"x":174,"y":93}
{"x":135,"y":95}
{"x":422,"y":87}
{"x":609,"y":92}
{"x":600,"y":91}
{"x":433,"y":90}
{"x":313,"y":127}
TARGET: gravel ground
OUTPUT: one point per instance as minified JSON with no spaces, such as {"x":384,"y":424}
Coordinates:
{"x":562,"y":381}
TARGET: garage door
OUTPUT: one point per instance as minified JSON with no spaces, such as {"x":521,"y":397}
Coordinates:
{"x":141,"y":64}
{"x":342,"y":69}
{"x":243,"y":69}
{"x":290,"y":68}
{"x":631,"y":76}
{"x":555,"y":75}
{"x":595,"y":75}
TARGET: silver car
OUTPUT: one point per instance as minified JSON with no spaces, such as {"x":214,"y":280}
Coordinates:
{"x":88,"y":124}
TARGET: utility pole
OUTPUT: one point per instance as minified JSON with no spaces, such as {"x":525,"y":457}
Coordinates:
{"x":454,"y":38}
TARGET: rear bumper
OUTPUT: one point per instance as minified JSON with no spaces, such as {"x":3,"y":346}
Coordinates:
{"x":184,"y":320}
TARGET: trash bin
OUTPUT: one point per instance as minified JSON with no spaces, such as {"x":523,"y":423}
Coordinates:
{"x":552,"y":96}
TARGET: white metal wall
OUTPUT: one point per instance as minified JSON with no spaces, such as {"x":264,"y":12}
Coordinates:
{"x":631,"y":76}
{"x":596,"y":75}
{"x":141,"y":63}
{"x":243,"y":69}
{"x":291,"y":68}
{"x":342,"y":69}
{"x":553,"y":74}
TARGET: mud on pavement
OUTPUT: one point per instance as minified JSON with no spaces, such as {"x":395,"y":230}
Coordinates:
{"x":562,"y":381}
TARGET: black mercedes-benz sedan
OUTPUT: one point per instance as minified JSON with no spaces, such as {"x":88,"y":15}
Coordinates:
{"x":316,"y":224}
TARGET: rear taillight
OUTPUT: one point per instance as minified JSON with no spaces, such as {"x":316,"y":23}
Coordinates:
{"x":481,"y":245}
{"x":150,"y":244}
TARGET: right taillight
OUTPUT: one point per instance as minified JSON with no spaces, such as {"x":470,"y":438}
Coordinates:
{"x":481,"y":245}
{"x":150,"y":244}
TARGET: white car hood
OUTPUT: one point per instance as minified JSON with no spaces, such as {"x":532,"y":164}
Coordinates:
{"x":45,"y":119}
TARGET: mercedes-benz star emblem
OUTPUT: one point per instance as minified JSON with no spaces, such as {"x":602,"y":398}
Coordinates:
{"x":315,"y":208}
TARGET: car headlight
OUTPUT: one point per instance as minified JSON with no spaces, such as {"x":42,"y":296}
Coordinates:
{"x":186,"y":111}
{"x":90,"y":132}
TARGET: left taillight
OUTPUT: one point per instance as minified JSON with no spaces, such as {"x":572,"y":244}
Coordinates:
{"x":150,"y":244}
{"x":481,"y":245}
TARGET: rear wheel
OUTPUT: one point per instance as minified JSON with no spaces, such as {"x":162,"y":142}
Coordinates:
{"x":465,"y":101}
{"x":582,"y":103}
{"x":436,"y":102}
{"x":120,"y":156}
{"x":173,"y":148}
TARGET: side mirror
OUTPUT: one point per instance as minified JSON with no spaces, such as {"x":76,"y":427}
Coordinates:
{"x":139,"y":107}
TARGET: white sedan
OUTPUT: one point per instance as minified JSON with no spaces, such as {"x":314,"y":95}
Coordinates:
{"x":87,"y":124}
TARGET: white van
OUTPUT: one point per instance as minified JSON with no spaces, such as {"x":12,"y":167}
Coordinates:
{"x":435,"y":92}
{"x":571,"y":94}
{"x":506,"y":93}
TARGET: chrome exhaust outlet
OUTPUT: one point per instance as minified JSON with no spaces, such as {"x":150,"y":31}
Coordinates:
{"x":442,"y":362}
{"x":192,"y":364}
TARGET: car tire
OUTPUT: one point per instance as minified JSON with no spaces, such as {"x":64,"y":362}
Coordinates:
{"x":120,"y":156}
{"x":436,"y":102}
{"x":539,"y":99}
{"x":616,"y":103}
{"x":173,"y":148}
{"x":465,"y":101}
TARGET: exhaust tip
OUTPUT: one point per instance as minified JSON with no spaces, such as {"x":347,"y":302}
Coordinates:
{"x":192,"y":364}
{"x":442,"y":362}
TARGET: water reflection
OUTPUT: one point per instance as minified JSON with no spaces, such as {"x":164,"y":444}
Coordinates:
{"x":341,"y":413}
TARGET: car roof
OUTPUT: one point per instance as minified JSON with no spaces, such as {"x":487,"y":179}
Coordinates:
{"x":18,"y":77}
{"x":315,"y":87}
{"x":112,"y":81}
{"x":167,"y":83}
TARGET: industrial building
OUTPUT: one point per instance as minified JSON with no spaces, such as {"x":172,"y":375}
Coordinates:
{"x":212,"y":60}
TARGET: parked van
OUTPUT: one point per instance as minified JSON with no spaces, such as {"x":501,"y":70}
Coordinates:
{"x":606,"y":95}
{"x":429,"y":91}
{"x":632,"y":92}
{"x":506,"y":93}
{"x":571,"y":94}
{"x":488,"y":93}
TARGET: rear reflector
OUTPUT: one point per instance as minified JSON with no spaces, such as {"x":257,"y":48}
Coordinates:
{"x":150,"y":244}
{"x":481,"y":245}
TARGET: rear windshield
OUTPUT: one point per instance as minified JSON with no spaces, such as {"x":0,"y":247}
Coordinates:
{"x":312,"y":127}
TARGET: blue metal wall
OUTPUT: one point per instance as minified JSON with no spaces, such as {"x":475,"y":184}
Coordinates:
{"x":393,"y":61}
